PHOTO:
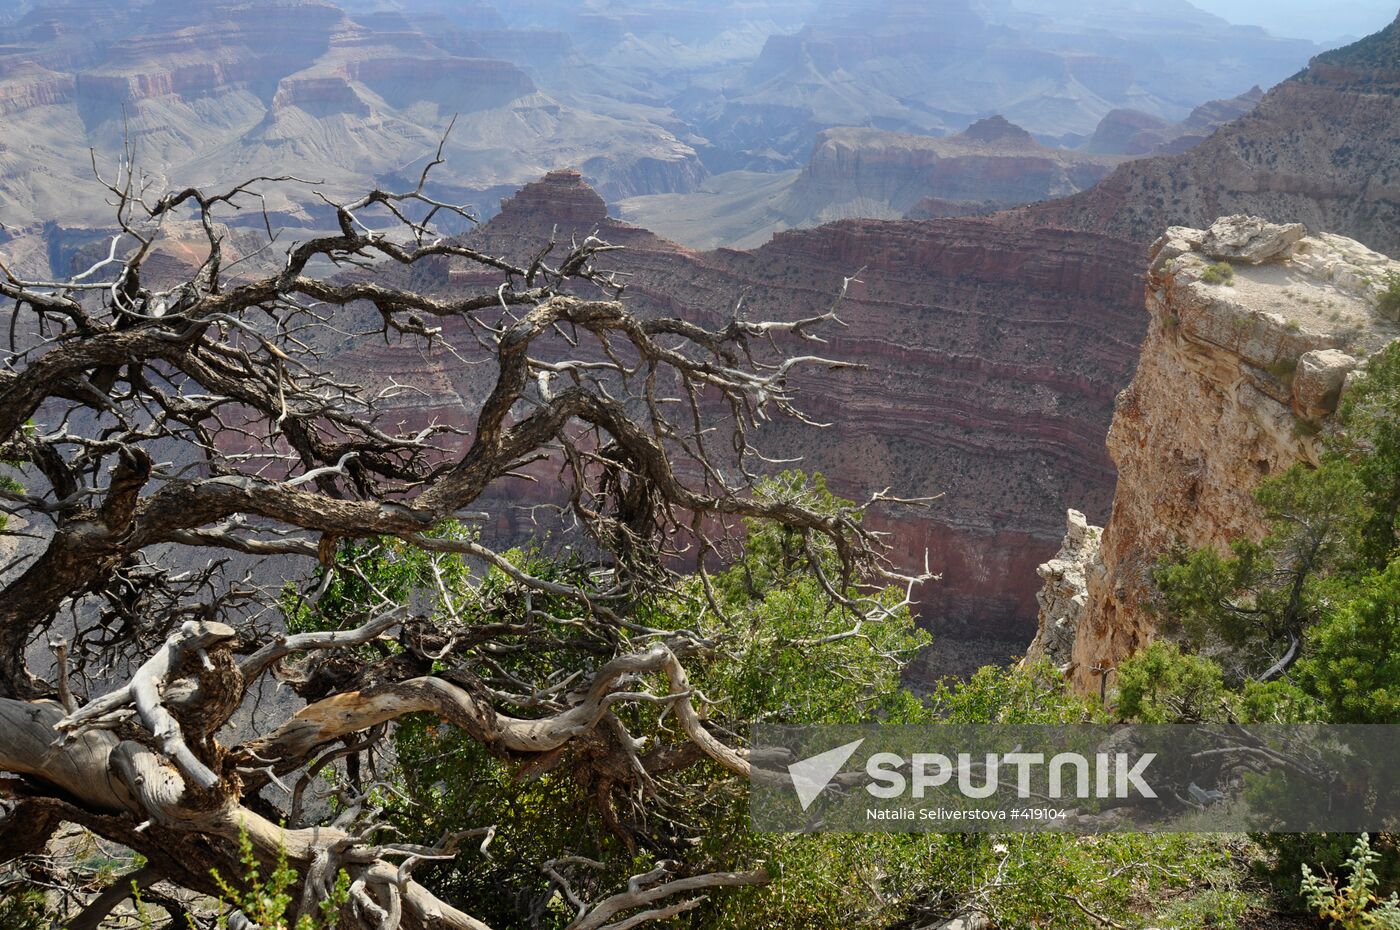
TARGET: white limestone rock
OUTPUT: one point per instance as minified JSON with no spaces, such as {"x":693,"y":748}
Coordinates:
{"x":1250,"y":239}
{"x":1318,"y":380}
{"x":1064,"y":591}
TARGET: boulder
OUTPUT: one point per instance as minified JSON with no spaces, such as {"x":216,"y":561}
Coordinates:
{"x":1250,"y":239}
{"x":1175,"y":242}
{"x":1318,"y":380}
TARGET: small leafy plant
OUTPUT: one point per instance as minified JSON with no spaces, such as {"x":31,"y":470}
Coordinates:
{"x":267,"y":903}
{"x":1388,"y":301}
{"x":1284,"y":369}
{"x":1354,"y":905}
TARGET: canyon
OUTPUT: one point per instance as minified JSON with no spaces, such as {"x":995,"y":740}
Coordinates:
{"x":1132,"y":132}
{"x":873,"y":174}
{"x":935,"y":67}
{"x":208,"y":92}
{"x":992,"y":347}
{"x":989,"y":358}
{"x":643,"y":99}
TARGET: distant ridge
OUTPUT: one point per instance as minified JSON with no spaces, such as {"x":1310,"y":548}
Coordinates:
{"x":1322,"y":149}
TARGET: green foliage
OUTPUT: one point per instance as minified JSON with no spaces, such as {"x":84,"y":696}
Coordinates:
{"x":1032,"y":694}
{"x":22,"y":909}
{"x":1160,"y":685}
{"x":1201,"y":588}
{"x":1284,"y":368}
{"x":384,"y":569}
{"x":1331,"y":528}
{"x":1355,"y":904}
{"x":1219,"y":273}
{"x":1190,"y":881}
{"x":1326,"y":576}
{"x":783,"y":653}
{"x":1276,"y":701}
{"x":1388,"y":301}
{"x":1353,"y":661}
{"x":267,"y":903}
{"x":12,"y":485}
{"x":1370,"y":443}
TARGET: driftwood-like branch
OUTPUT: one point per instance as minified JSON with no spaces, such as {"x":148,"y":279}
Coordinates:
{"x":283,"y":646}
{"x":346,"y":713}
{"x":640,"y":895}
{"x":200,"y":453}
{"x":145,"y":693}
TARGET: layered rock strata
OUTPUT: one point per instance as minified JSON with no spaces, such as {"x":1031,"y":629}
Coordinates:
{"x":1253,"y":330}
{"x":990,"y":360}
{"x":874,"y":174}
{"x":218,"y":92}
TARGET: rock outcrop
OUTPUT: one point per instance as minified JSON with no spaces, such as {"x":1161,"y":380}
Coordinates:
{"x":1064,"y":592}
{"x":1253,"y":330}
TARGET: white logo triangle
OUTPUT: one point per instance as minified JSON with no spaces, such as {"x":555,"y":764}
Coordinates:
{"x":811,"y":776}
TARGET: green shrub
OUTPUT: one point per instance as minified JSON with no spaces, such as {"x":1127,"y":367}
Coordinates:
{"x":1161,"y":685}
{"x":1219,"y":273}
{"x":23,"y":910}
{"x":1284,"y":368}
{"x":267,"y":903}
{"x":1388,"y":301}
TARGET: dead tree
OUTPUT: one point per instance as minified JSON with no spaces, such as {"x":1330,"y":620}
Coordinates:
{"x":161,"y":429}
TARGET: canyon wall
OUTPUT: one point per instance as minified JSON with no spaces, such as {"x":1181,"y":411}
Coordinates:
{"x":990,"y":358}
{"x":1254,"y":328}
{"x":937,"y":65}
{"x":218,"y":92}
{"x":993,"y":164}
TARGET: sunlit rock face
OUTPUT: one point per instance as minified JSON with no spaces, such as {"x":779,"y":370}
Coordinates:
{"x":1253,"y":331}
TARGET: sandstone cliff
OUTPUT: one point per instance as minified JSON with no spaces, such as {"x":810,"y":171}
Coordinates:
{"x":1253,"y":330}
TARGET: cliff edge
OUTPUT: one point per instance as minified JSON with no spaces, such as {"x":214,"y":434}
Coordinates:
{"x":1254,"y":329}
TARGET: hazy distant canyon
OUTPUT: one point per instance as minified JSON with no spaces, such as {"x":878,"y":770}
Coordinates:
{"x":643,"y":99}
